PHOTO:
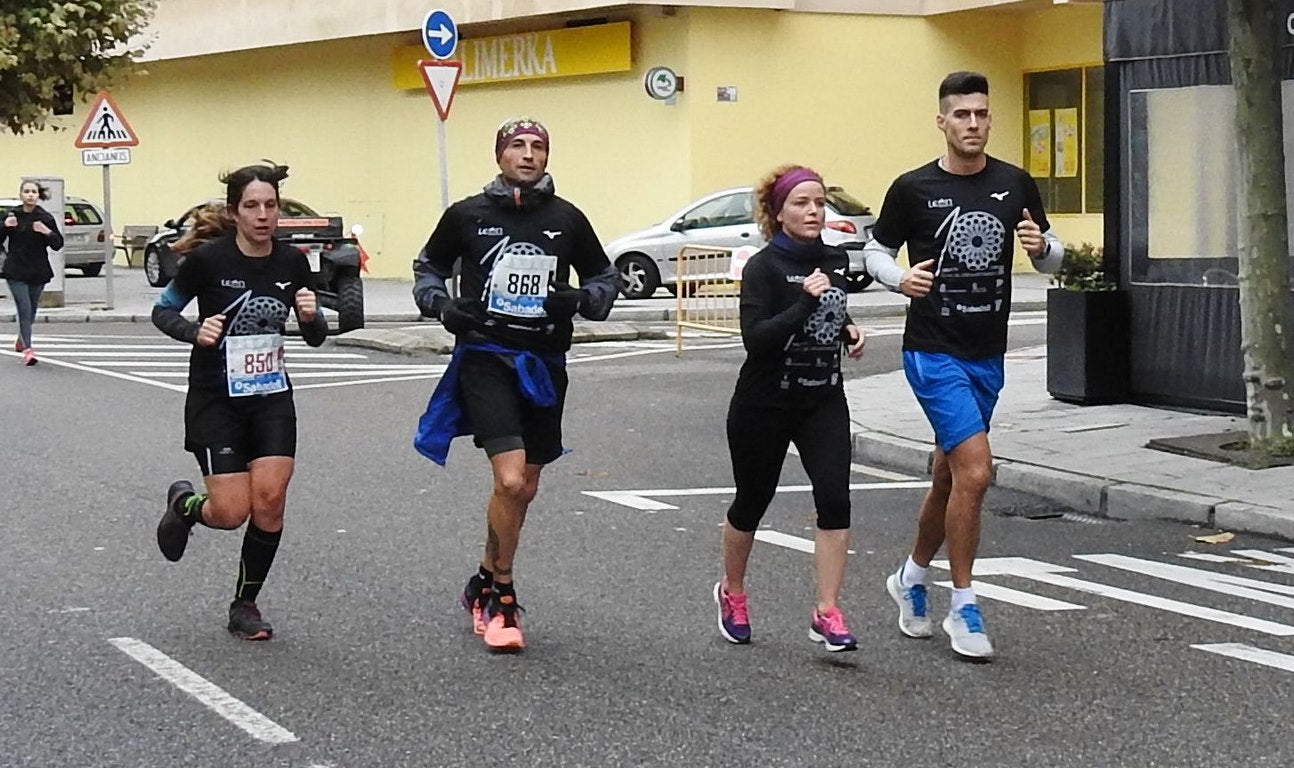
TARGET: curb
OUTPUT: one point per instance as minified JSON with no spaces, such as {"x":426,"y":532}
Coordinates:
{"x":1100,"y":496}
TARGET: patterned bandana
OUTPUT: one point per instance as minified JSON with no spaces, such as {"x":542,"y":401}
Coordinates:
{"x":513,"y":128}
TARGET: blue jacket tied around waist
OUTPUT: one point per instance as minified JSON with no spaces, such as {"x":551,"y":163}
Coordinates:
{"x":446,"y":418}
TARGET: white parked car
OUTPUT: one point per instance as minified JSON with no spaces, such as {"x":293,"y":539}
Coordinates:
{"x":646,"y":258}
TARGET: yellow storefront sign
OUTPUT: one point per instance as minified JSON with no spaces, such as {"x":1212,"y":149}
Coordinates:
{"x":527,"y":56}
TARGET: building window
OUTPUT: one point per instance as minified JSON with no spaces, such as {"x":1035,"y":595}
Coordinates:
{"x":1064,"y":137}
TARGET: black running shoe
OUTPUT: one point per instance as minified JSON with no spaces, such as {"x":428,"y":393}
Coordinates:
{"x":172,"y":531}
{"x":245,"y":621}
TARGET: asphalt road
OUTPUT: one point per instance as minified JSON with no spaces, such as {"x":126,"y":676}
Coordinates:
{"x":372,"y":663}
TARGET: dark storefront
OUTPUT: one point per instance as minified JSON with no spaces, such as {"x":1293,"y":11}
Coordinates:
{"x":1172,"y":217}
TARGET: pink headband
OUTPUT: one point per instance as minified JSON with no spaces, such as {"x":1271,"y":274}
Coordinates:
{"x":788,"y":181}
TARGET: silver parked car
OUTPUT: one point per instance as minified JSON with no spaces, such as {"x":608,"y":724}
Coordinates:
{"x":646,"y":258}
{"x":83,"y":234}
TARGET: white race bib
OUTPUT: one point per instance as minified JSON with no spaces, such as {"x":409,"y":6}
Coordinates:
{"x":254,"y":365}
{"x":519,"y":284}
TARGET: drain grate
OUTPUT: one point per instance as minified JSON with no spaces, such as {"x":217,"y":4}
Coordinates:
{"x":1039,"y":512}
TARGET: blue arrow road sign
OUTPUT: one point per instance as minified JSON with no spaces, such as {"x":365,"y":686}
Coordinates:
{"x":439,"y":34}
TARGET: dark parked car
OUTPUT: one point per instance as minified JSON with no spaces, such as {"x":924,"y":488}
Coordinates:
{"x":333,"y":253}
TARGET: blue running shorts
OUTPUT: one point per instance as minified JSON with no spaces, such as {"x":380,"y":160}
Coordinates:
{"x":958,"y":396}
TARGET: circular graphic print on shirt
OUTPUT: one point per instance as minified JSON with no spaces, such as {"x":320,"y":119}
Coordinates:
{"x":976,"y":240}
{"x":826,"y":321}
{"x":259,"y":314}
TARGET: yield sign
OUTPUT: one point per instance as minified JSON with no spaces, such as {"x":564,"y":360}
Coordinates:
{"x":105,"y":126}
{"x":441,"y":78}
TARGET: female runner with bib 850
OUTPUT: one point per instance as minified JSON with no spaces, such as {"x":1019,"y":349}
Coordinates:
{"x":239,"y":417}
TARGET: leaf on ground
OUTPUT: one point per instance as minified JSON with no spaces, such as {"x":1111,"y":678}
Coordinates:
{"x":595,"y":473}
{"x":1216,"y":538}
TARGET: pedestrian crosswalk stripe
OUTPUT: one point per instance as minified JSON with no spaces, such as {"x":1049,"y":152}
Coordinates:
{"x":1017,"y":597}
{"x":164,"y":364}
{"x":1251,"y":654}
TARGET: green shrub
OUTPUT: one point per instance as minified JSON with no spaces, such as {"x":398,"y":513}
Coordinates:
{"x":1081,"y":270}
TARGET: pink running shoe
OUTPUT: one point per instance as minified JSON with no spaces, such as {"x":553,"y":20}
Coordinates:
{"x":734,"y":621}
{"x":829,"y":629}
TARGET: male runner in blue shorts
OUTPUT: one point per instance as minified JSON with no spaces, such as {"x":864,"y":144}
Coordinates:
{"x":957,"y":214}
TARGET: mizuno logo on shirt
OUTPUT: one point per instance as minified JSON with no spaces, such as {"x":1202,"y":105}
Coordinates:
{"x":999,"y":196}
{"x":943,"y":202}
{"x":840,"y":271}
{"x":282,"y":286}
{"x":490,"y":231}
{"x":552,"y":234}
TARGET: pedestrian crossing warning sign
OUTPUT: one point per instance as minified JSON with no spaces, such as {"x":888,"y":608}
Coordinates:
{"x":105,"y":126}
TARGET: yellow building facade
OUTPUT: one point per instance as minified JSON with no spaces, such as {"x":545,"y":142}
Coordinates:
{"x":846,"y":86}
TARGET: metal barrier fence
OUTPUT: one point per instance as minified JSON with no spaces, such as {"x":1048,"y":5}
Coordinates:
{"x":706,"y":292}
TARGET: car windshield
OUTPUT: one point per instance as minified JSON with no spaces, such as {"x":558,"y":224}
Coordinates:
{"x":80,"y":213}
{"x":845,"y":203}
{"x":722,"y":211}
{"x":295,"y":210}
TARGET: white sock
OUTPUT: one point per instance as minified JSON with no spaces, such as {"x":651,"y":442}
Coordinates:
{"x":911,"y":574}
{"x":961,"y":597}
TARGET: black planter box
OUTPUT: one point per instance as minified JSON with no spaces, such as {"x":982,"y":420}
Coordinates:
{"x":1088,"y":346}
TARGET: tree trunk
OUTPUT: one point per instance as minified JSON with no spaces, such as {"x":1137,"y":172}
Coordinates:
{"x":1264,"y":241}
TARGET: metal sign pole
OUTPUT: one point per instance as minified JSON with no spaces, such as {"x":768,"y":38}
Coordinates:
{"x":444,"y":165}
{"x":109,"y":250}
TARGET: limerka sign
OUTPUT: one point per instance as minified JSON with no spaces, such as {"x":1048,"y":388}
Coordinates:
{"x":504,"y":58}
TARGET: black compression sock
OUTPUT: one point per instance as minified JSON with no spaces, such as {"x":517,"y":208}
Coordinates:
{"x":484,"y":577}
{"x":259,"y":548}
{"x":190,"y":508}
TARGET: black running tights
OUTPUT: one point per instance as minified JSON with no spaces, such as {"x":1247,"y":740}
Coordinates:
{"x":758,"y":439}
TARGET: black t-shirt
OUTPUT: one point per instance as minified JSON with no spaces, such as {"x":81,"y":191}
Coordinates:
{"x":255,"y":294}
{"x":792,"y":340}
{"x":486,"y":234}
{"x":966,"y":224}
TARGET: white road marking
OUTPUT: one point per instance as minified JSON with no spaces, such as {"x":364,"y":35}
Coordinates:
{"x":292,"y":365}
{"x":330,"y":374}
{"x":1047,"y":573}
{"x":1226,"y":584}
{"x":111,"y":374}
{"x":1251,"y":654}
{"x":208,"y":693}
{"x":1209,"y":557}
{"x":1277,"y":563}
{"x":1017,"y":597}
{"x":378,"y":380}
{"x":785,"y":540}
{"x":642,"y":499}
{"x":182,"y":354}
{"x":864,"y":469}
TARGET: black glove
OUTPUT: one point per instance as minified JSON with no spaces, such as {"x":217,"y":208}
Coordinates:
{"x":438,"y":304}
{"x":564,"y":301}
{"x":457,"y":316}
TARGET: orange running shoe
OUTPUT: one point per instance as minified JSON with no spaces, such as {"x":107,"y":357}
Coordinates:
{"x":473,"y":599}
{"x":502,"y":625}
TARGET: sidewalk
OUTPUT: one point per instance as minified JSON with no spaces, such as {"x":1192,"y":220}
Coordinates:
{"x":1090,"y":458}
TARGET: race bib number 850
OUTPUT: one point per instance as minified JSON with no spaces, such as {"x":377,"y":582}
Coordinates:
{"x":254,"y":365}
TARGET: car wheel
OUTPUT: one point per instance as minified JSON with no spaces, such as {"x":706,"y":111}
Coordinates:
{"x":350,"y":302}
{"x":91,"y":270}
{"x":639,"y":277}
{"x":856,"y":283}
{"x":153,"y":268}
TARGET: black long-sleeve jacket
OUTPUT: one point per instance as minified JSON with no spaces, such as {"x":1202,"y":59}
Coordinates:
{"x":491,"y":233}
{"x":28,"y":250}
